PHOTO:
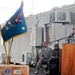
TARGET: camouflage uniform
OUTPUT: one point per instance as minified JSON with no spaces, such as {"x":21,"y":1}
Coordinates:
{"x":44,"y":56}
{"x":71,"y":39}
{"x":54,"y":62}
{"x":55,"y":53}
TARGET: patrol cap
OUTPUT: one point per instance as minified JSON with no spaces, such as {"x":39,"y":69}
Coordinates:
{"x":56,"y":45}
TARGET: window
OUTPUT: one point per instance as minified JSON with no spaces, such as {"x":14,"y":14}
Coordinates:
{"x":61,"y":16}
{"x":52,"y":16}
{"x":58,"y":15}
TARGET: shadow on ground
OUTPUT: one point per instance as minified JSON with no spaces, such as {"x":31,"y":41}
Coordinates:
{"x":32,"y":70}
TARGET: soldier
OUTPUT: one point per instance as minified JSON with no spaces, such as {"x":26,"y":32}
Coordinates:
{"x":54,"y":62}
{"x":71,"y":38}
{"x":44,"y":57}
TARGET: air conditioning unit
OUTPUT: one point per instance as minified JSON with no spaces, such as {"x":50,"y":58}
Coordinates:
{"x":26,"y":56}
{"x":2,"y":57}
{"x":60,"y":17}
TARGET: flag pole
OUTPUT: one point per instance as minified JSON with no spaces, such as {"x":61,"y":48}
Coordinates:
{"x":5,"y":48}
{"x":7,"y":53}
{"x":4,"y":45}
{"x":9,"y":49}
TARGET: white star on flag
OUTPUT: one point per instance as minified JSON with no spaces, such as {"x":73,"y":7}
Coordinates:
{"x":23,"y":28}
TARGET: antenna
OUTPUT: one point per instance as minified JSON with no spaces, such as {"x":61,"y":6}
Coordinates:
{"x":32,"y":8}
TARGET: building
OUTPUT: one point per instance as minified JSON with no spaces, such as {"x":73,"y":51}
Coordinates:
{"x":51,"y":26}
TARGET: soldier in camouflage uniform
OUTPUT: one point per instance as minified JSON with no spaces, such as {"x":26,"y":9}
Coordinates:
{"x":44,"y":56}
{"x":54,"y":62}
{"x":71,"y":38}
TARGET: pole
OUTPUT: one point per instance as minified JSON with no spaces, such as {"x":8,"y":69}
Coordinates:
{"x":7,"y":53}
{"x":9,"y":50}
{"x":32,"y":8}
{"x":4,"y":46}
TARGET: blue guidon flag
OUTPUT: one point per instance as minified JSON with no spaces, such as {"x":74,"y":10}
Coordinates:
{"x":16,"y":25}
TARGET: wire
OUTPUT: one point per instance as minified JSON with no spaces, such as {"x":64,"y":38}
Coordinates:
{"x":7,"y":8}
{"x":11,"y":9}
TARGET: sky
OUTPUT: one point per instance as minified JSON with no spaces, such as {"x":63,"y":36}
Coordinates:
{"x":31,"y":7}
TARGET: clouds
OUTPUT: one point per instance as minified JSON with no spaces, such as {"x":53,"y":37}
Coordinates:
{"x":46,"y":5}
{"x":8,"y":7}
